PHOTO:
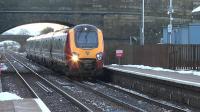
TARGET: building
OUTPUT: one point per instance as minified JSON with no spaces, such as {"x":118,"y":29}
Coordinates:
{"x":184,"y":34}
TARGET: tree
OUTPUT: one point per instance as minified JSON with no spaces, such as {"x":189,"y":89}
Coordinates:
{"x":46,"y":30}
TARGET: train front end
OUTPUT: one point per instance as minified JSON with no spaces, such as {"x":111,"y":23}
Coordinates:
{"x":86,"y":49}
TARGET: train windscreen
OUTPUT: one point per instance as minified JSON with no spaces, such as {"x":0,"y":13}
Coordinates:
{"x":86,"y":39}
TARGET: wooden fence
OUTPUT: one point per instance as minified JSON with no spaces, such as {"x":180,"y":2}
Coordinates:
{"x":166,"y":56}
{"x":184,"y":57}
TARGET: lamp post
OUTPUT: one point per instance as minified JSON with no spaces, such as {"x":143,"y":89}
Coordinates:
{"x":170,"y":26}
{"x":142,"y":26}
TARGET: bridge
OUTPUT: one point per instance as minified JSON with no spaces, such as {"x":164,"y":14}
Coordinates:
{"x":100,"y":13}
{"x":21,"y":39}
{"x":110,"y":15}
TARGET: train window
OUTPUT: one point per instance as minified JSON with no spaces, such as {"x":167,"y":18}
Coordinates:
{"x":45,"y":44}
{"x":86,"y":39}
{"x":56,"y":44}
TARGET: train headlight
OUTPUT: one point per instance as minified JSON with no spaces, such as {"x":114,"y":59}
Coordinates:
{"x":99,"y":56}
{"x":75,"y":57}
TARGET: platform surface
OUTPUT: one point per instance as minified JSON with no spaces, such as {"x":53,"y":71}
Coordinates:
{"x":0,"y":84}
{"x":25,"y":105}
{"x":186,"y":78}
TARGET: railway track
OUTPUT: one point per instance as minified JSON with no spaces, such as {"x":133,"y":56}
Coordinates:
{"x":131,"y":101}
{"x":111,"y":104}
{"x":23,"y":88}
{"x":119,"y":102}
{"x":96,"y":103}
{"x":37,"y":82}
{"x":145,"y":98}
{"x":128,"y":99}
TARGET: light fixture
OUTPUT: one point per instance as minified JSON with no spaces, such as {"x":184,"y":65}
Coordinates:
{"x":99,"y":56}
{"x":75,"y":57}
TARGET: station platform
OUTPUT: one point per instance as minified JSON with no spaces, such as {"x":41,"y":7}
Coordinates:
{"x":24,"y":105}
{"x":182,"y":77}
{"x":10,"y":102}
{"x":0,"y":85}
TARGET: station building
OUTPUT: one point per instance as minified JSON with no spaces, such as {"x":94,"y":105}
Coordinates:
{"x":183,"y":34}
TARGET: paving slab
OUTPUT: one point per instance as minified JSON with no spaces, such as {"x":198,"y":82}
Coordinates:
{"x":25,"y":105}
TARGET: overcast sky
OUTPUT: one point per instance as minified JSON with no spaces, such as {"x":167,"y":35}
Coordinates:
{"x":33,"y":29}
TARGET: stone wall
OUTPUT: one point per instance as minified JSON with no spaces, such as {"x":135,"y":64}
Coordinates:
{"x":117,"y":18}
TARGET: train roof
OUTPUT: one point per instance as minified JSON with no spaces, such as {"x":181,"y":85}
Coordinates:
{"x":57,"y":32}
{"x":61,"y":31}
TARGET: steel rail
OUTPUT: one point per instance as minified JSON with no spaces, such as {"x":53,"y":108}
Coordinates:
{"x":44,"y":87}
{"x":66,"y":95}
{"x":150,"y":100}
{"x":147,"y":99}
{"x":29,"y":87}
{"x":118,"y":102}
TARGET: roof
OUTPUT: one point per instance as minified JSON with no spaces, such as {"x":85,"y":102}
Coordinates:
{"x":196,"y":9}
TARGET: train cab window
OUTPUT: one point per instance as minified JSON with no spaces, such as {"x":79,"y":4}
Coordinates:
{"x":86,"y":39}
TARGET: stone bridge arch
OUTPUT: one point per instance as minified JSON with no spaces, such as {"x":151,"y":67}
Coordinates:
{"x":21,"y":39}
{"x":15,"y":19}
{"x":117,"y":18}
{"x":110,"y":15}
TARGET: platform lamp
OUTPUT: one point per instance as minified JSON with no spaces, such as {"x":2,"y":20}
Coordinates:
{"x":170,"y":26}
{"x":142,"y":26}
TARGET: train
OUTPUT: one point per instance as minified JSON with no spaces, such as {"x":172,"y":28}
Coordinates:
{"x":75,"y":51}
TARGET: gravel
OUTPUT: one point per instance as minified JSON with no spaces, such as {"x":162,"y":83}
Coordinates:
{"x":13,"y":84}
{"x":90,"y":99}
{"x":126,"y":98}
{"x":54,"y":101}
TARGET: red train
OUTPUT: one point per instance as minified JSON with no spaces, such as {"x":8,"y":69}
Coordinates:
{"x":74,"y":51}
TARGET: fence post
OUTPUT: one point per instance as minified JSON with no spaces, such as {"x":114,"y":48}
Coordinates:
{"x":194,"y":57}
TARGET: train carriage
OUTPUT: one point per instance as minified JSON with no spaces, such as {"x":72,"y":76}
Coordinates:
{"x":75,"y":51}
